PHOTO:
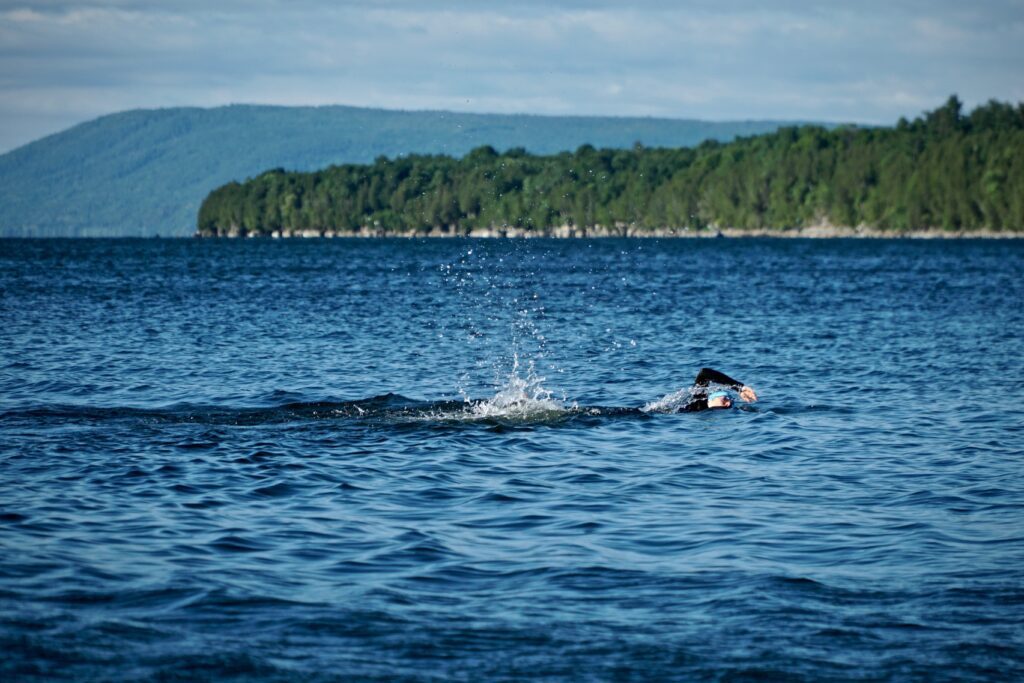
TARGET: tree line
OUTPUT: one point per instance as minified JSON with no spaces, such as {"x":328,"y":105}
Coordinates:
{"x":944,"y":170}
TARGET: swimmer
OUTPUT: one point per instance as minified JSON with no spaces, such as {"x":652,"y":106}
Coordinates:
{"x":702,"y":400}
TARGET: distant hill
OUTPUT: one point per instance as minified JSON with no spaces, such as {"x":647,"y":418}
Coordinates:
{"x":145,"y":172}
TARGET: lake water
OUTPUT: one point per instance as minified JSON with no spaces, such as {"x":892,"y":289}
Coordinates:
{"x":404,"y":460}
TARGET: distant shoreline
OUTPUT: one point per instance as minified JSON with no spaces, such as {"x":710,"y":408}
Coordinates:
{"x":566,"y":232}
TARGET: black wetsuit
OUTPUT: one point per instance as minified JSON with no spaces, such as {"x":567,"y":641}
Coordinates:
{"x":705,"y":377}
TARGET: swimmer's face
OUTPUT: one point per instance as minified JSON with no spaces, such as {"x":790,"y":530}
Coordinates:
{"x":720,"y":402}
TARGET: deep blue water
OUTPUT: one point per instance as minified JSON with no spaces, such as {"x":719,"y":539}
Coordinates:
{"x":256,"y":459}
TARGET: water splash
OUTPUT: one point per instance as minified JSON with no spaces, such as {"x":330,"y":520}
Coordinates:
{"x":500,"y":321}
{"x":670,"y":403}
{"x":521,"y":398}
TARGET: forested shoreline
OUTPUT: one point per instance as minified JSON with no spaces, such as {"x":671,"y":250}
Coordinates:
{"x":944,"y":171}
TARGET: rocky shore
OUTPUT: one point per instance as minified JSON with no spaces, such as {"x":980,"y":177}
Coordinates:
{"x":569,"y":232}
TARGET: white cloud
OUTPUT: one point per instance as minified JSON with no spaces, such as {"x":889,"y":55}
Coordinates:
{"x":873,"y":61}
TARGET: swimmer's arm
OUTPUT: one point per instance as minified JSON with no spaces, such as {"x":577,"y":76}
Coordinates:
{"x":708,"y":376}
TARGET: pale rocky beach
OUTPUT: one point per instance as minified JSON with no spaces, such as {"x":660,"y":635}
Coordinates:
{"x":824,"y":231}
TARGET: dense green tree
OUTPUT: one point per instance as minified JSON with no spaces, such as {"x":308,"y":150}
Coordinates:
{"x":943,"y":170}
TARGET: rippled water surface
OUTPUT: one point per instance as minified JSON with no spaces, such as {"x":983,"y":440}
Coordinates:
{"x":420,"y":460}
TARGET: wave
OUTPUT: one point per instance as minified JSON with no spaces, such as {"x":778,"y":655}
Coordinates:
{"x":504,"y":407}
{"x":523,"y":400}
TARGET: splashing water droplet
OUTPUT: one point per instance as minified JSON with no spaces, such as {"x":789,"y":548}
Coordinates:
{"x":521,"y":398}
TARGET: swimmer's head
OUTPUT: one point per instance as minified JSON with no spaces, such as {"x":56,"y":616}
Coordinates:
{"x":719,"y":399}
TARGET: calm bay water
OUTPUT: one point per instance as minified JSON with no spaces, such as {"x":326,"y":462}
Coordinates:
{"x":257,"y":460}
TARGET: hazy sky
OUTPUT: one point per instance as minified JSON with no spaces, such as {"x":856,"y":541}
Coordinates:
{"x":63,"y":62}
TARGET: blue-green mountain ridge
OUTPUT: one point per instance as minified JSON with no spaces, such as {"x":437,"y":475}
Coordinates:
{"x":145,"y":172}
